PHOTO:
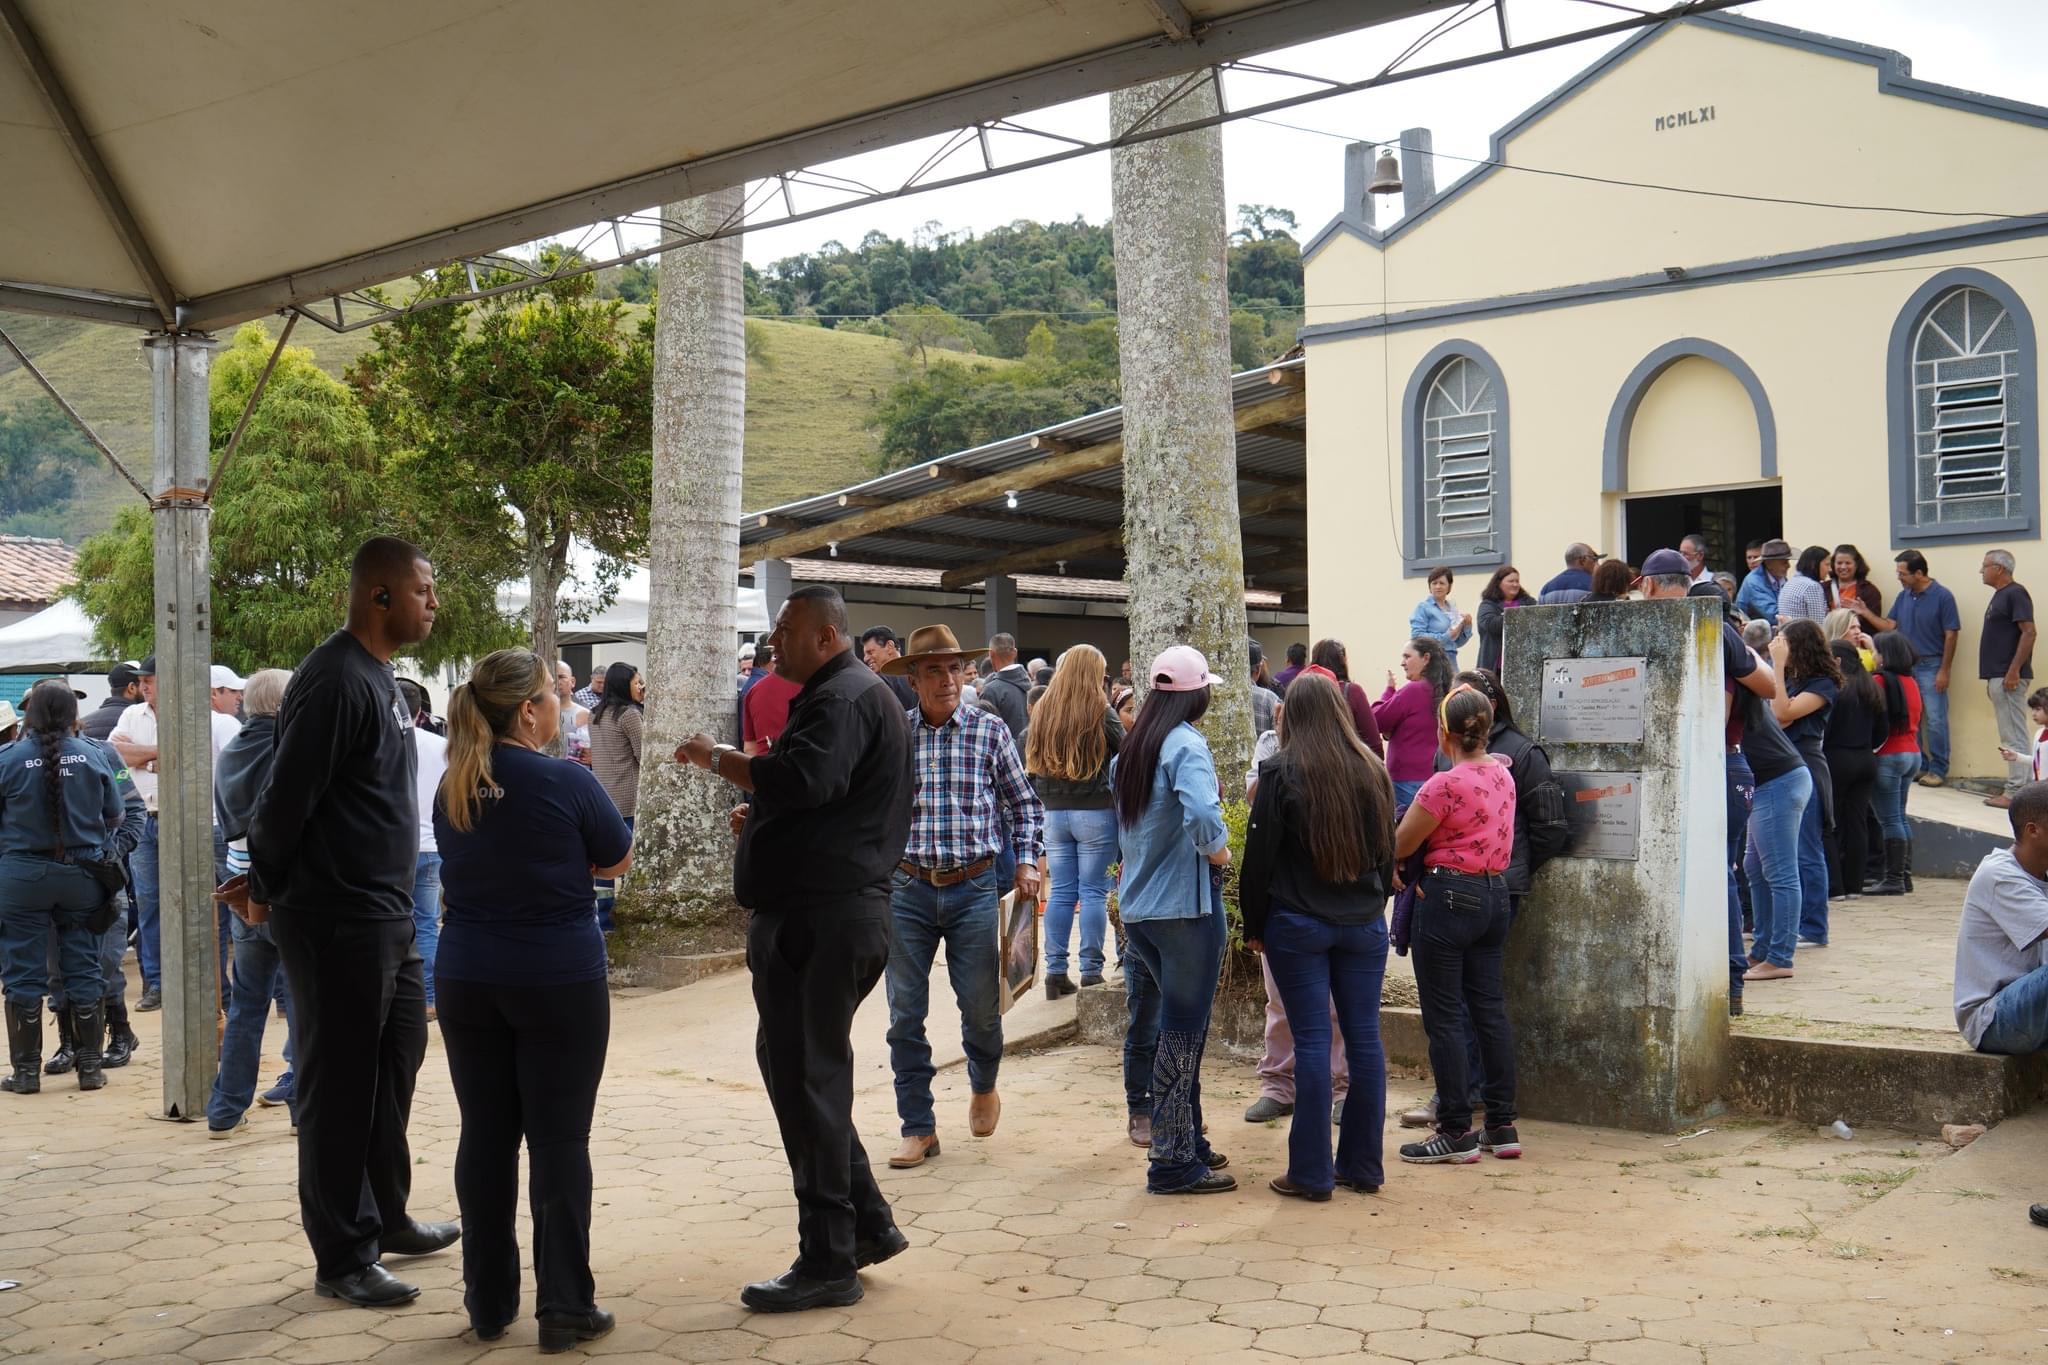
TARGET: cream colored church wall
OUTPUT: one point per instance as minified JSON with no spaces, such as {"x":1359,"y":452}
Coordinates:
{"x":1817,"y":344}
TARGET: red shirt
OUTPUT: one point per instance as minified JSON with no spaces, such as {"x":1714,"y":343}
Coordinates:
{"x":1907,"y":740}
{"x":767,"y":709}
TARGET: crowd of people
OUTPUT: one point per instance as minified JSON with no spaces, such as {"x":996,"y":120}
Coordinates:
{"x":461,"y":872}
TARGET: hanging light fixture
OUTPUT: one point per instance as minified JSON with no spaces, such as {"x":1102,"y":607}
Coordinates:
{"x":833,"y":546}
{"x":1386,"y":174}
{"x":1010,"y":499}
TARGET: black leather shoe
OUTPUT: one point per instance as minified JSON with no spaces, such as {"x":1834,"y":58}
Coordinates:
{"x":1059,"y":986}
{"x":1091,"y":978}
{"x":1282,"y":1185}
{"x":795,"y":1291}
{"x":2038,"y":1215}
{"x":1358,"y":1186}
{"x":371,"y":1287}
{"x":1213,"y":1183}
{"x":562,"y":1331}
{"x":421,"y":1239}
{"x":874,"y":1250}
{"x":486,"y":1332}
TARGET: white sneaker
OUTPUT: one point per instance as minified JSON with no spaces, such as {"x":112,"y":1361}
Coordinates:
{"x":222,"y":1134}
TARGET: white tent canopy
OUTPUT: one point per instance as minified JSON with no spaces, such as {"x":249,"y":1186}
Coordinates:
{"x":172,"y":163}
{"x":626,"y":617}
{"x":56,"y":639}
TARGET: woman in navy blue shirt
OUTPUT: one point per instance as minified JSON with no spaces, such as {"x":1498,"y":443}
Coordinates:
{"x":520,"y":977}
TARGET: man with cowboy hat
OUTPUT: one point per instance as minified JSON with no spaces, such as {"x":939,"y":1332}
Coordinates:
{"x":972,"y":798}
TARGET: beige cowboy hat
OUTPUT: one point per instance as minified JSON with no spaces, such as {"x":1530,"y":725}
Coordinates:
{"x":928,"y":642}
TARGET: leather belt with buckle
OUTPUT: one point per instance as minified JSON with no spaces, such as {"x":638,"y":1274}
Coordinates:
{"x":945,"y":876}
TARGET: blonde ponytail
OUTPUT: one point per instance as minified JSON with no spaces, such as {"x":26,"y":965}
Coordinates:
{"x":480,"y":713}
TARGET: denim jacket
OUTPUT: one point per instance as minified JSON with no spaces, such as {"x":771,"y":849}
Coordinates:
{"x":1430,"y":619}
{"x":1166,"y":873}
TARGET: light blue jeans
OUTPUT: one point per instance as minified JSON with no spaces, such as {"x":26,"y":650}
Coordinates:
{"x":1776,"y":809}
{"x":2019,"y":1017}
{"x":143,"y":869}
{"x":259,"y":976}
{"x":1933,"y":718}
{"x":426,"y":915}
{"x":1895,"y":774}
{"x":963,"y":917}
{"x":1079,"y":847}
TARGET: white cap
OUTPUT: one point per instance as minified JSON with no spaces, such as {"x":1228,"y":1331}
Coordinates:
{"x":747,"y":653}
{"x":223,"y":676}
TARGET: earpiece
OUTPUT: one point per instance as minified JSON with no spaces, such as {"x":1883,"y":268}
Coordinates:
{"x":383,"y":598}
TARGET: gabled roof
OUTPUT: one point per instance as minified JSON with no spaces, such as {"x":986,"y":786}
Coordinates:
{"x":1894,"y":77}
{"x":34,"y":570}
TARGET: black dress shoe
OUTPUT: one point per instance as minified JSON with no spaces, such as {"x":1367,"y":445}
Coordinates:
{"x":487,"y":1332}
{"x":371,"y":1287}
{"x":1358,"y":1185}
{"x":1282,"y":1185}
{"x":1212,"y":1183}
{"x":794,"y":1291}
{"x":1059,"y":986}
{"x":561,"y":1331}
{"x":2038,"y":1215}
{"x":874,"y":1250}
{"x":420,"y":1239}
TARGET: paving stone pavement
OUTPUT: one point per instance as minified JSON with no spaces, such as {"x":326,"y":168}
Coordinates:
{"x":1754,"y":1242}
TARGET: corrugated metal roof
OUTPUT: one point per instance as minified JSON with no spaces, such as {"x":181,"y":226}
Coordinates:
{"x":1028,"y":585}
{"x":962,"y":538}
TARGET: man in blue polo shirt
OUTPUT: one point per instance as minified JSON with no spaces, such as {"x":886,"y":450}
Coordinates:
{"x":1758,"y":595}
{"x":1925,"y":613}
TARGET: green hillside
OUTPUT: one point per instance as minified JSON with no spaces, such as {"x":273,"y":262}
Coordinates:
{"x":807,"y":399}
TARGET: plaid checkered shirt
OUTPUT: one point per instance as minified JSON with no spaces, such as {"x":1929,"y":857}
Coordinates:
{"x":968,"y":773}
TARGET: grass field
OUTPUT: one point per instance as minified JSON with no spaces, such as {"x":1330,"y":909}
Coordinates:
{"x":806,"y":403}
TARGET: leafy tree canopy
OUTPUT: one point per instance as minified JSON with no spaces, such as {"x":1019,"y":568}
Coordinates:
{"x":41,"y":456}
{"x":308,"y":485}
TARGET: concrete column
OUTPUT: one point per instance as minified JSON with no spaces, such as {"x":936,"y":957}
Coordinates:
{"x":179,"y":365}
{"x":1617,"y":971}
{"x":771,"y":576}
{"x":999,"y":606}
{"x":1418,"y":171}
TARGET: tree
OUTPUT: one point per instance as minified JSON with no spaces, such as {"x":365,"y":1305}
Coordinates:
{"x":1183,"y":551}
{"x":1252,"y":220}
{"x":41,"y":457}
{"x":682,"y":847}
{"x":308,"y":485}
{"x":526,"y":418}
{"x":923,"y":329}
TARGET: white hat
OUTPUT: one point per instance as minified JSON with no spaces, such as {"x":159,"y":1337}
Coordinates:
{"x":223,"y":676}
{"x":747,"y":653}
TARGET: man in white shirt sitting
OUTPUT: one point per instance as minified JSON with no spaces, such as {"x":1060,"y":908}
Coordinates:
{"x":2002,"y":945}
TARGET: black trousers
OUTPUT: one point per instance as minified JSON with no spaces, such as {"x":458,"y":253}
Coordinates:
{"x":811,"y":970}
{"x":526,"y":1061}
{"x":1461,"y":927}
{"x":1853,"y":772}
{"x":359,"y":1010}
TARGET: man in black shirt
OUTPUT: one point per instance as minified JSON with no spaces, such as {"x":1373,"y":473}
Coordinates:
{"x":124,"y":689}
{"x":878,"y":645}
{"x":333,"y":847}
{"x":828,"y":821}
{"x":2005,"y":663}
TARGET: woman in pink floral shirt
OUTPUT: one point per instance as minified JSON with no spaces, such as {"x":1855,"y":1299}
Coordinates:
{"x":1463,"y":821}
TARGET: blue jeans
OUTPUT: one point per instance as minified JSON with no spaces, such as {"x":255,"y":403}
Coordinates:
{"x":1813,"y":864}
{"x":142,"y":867}
{"x":426,"y":915}
{"x":1741,"y":783}
{"x":2019,"y":1017}
{"x":1460,"y":935}
{"x":223,"y":918}
{"x":1079,"y":847}
{"x":1141,"y":1037}
{"x":1404,"y":793}
{"x":1314,"y":961}
{"x":1933,"y":718}
{"x":259,"y":974}
{"x":963,"y":917}
{"x":1183,"y":957}
{"x":1776,"y":809}
{"x":37,"y":895}
{"x":1895,"y":774}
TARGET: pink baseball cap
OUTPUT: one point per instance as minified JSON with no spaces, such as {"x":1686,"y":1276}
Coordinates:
{"x":1181,"y":668}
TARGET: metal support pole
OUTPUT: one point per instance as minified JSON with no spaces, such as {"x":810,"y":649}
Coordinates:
{"x":179,"y":365}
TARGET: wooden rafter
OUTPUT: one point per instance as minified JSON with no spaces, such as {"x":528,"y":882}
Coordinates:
{"x":952,"y":496}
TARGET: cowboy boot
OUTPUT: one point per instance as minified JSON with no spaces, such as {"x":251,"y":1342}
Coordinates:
{"x":24,"y":1047}
{"x":88,"y":1036}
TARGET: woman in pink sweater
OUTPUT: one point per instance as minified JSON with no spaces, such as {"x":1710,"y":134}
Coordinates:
{"x":1406,"y":715}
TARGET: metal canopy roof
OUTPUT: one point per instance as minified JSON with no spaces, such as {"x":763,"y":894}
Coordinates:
{"x":953,"y":514}
{"x":199,"y":164}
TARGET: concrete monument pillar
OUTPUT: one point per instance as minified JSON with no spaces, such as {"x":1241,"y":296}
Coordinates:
{"x":1617,"y":972}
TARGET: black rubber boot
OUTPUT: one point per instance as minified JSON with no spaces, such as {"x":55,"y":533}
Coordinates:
{"x":1906,"y":869}
{"x":87,"y":1036}
{"x":61,"y":1060}
{"x":1894,"y":883}
{"x":121,"y":1039}
{"x":24,"y":1047}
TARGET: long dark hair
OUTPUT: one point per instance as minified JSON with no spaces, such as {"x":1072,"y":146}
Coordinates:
{"x":1855,"y":681}
{"x":1806,"y":652}
{"x":1810,"y":560}
{"x":1330,"y":654}
{"x":51,"y":715}
{"x":1137,"y":758}
{"x":1493,"y":592}
{"x":618,"y":691}
{"x":1487,"y":683}
{"x":1862,"y":564}
{"x":1895,"y":653}
{"x":1436,"y":666}
{"x":1343,"y":788}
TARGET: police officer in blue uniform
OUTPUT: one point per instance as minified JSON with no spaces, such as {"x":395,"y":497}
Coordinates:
{"x":113,"y":943}
{"x":60,"y":804}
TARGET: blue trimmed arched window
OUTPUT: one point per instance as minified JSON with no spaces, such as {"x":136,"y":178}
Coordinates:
{"x":1964,"y":456}
{"x":1455,"y":444}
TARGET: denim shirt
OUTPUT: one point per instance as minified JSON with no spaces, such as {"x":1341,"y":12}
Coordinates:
{"x":1432,"y":620}
{"x":1166,"y":854}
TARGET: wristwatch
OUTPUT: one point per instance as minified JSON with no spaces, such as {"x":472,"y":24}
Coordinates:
{"x":719,"y":751}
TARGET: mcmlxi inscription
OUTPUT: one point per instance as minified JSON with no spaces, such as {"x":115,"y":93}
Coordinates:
{"x":1687,"y":118}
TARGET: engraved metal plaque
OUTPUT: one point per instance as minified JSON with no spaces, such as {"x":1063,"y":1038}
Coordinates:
{"x":1593,"y":701}
{"x":1604,"y":811}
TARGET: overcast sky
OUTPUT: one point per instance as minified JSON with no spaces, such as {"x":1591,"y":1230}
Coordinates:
{"x":1996,"y":46}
